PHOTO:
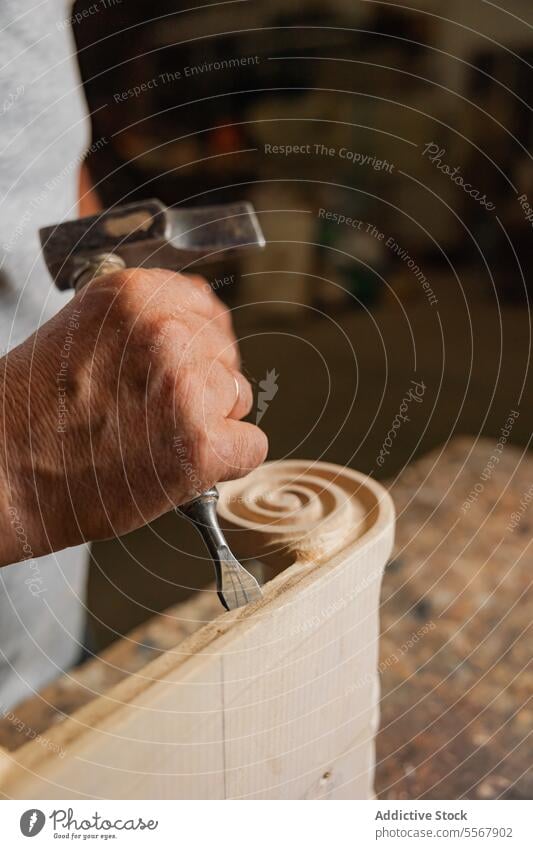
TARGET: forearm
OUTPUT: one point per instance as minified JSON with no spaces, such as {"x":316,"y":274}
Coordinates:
{"x":22,"y":531}
{"x":10,"y":550}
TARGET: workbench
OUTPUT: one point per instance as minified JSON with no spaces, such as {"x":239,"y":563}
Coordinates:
{"x":456,"y":702}
{"x":456,"y":685}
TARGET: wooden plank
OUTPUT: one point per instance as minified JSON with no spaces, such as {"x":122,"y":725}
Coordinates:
{"x":276,"y":700}
{"x":122,"y":659}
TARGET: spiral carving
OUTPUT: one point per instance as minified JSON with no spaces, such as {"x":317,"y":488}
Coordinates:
{"x":311,"y":508}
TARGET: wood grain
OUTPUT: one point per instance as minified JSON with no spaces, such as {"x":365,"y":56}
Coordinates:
{"x":275,"y":700}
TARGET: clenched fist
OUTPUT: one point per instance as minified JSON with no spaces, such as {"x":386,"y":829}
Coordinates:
{"x":124,"y":405}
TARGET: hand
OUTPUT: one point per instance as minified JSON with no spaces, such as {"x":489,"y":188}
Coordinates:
{"x":124,"y":405}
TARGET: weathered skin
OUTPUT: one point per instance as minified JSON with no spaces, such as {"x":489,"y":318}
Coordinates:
{"x":148,"y":413}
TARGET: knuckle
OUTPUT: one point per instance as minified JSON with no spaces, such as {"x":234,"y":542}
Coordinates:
{"x":202,"y":295}
{"x":122,"y":294}
{"x":197,"y":282}
{"x":193,"y":290}
{"x":165,"y":335}
{"x":130,"y":290}
{"x":227,"y":318}
{"x":126,"y":282}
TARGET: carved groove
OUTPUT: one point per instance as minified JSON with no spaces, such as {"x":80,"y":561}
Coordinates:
{"x":312,"y":509}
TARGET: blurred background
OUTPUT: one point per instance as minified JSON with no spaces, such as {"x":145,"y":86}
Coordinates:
{"x":386,"y":148}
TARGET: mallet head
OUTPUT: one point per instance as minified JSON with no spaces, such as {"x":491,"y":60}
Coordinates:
{"x":151,"y":235}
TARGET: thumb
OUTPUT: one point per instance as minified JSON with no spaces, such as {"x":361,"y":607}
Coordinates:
{"x":242,"y":447}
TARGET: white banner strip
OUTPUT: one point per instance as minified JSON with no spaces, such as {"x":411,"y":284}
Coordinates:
{"x":268,"y":824}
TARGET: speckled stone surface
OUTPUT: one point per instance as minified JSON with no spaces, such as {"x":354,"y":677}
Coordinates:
{"x":456,"y":670}
{"x":455,"y":663}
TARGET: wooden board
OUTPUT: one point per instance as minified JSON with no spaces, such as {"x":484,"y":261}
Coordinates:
{"x":276,"y":700}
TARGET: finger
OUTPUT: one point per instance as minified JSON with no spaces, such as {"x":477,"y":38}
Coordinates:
{"x":221,"y":392}
{"x":244,"y":396}
{"x":240,"y":447}
{"x":168,"y":294}
{"x":208,"y":340}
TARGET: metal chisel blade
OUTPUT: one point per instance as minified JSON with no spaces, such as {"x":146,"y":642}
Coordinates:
{"x":235,"y":585}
